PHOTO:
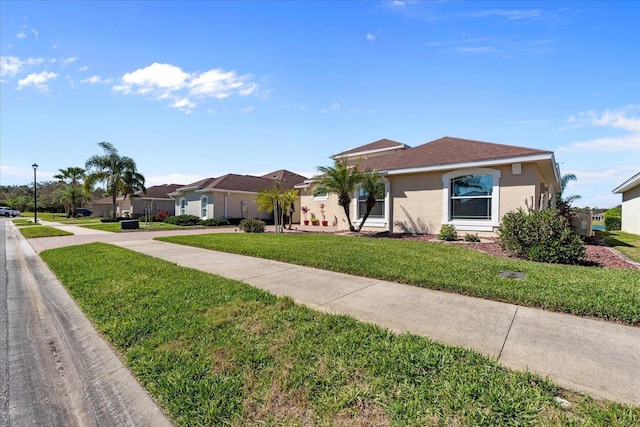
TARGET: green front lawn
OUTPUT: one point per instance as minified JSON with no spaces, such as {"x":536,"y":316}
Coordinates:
{"x":214,"y":351}
{"x":627,"y":243}
{"x":42,"y":231}
{"x":609,"y":294}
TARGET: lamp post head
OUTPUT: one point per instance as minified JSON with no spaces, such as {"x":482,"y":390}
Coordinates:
{"x":34,"y":166}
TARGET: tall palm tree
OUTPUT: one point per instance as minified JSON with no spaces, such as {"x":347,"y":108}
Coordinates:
{"x":71,"y":192}
{"x":374,"y":188}
{"x":119,"y":174}
{"x":340,"y":179}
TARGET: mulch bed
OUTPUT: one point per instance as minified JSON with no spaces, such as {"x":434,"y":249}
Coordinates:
{"x":598,"y":254}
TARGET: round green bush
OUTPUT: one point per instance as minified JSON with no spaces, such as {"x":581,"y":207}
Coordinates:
{"x":183,"y":220}
{"x":543,"y":236}
{"x":448,"y":232}
{"x":251,"y":225}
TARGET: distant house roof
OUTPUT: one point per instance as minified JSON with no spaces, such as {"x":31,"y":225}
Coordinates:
{"x":628,"y":184}
{"x":373,"y":147}
{"x":449,"y":151}
{"x":244,"y":183}
{"x":157,"y":191}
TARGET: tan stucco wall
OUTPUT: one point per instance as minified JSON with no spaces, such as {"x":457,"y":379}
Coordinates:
{"x":631,"y":211}
{"x":417,"y":199}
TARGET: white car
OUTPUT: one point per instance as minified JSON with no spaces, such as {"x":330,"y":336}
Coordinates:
{"x":7,"y":211}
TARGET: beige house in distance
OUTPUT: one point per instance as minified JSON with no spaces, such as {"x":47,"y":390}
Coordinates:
{"x":232,"y":195}
{"x":630,"y":190}
{"x":470,"y":184}
{"x":155,"y":199}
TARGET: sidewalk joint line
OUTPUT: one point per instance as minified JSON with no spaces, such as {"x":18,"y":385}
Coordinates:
{"x":504,"y":343}
{"x":350,"y":293}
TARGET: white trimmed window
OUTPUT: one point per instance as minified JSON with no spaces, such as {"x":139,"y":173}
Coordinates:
{"x":471,"y":199}
{"x":204,"y":205}
{"x":183,"y":206}
{"x":319,"y":196}
{"x":379,"y":215}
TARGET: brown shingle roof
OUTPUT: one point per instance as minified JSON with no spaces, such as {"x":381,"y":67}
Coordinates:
{"x":284,"y":175}
{"x":376,"y":145}
{"x":446,"y":151}
{"x":157,"y":191}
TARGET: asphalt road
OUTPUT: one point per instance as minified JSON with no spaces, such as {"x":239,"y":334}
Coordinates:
{"x":54,"y":368}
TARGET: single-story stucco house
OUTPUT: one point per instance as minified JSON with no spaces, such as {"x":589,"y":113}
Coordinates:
{"x":155,"y":199}
{"x":470,"y":184}
{"x":630,"y":190}
{"x":232,"y":195}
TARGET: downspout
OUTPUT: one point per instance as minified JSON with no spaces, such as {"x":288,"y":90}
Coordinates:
{"x":225,"y":205}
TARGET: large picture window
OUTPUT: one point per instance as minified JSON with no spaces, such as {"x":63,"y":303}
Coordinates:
{"x":471,"y":197}
{"x":376,"y":212}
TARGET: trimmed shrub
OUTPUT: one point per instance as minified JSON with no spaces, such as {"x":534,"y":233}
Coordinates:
{"x":472,"y":238}
{"x":184,"y":220}
{"x":215,"y":222}
{"x":448,"y":232}
{"x":613,"y":219}
{"x":250,"y":225}
{"x":543,"y":236}
{"x":161,"y":216}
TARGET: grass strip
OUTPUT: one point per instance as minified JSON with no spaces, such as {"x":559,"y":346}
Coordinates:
{"x":605,"y":293}
{"x":42,"y":231}
{"x":214,"y":351}
{"x":114,"y":227}
{"x":627,"y":243}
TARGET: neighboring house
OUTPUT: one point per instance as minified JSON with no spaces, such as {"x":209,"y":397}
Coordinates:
{"x":470,"y":184}
{"x":153,"y":200}
{"x":232,"y":195}
{"x":101,"y":207}
{"x":630,"y":190}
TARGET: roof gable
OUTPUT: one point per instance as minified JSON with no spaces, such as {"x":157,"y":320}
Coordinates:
{"x":380,"y":145}
{"x":285,"y":176}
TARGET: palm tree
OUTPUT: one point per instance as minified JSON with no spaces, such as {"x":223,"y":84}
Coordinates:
{"x":564,"y":180}
{"x":374,"y":188}
{"x":340,"y":179}
{"x":119,"y":173}
{"x":270,"y":200}
{"x":289,"y":197}
{"x":71,"y":192}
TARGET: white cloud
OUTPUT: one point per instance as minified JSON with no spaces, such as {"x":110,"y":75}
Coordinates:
{"x":624,"y":119}
{"x":96,"y":80}
{"x":248,"y":109}
{"x":38,"y":80}
{"x":334,"y":106}
{"x":83,"y":68}
{"x":21,"y":35}
{"x":183,"y":104}
{"x":370,"y":37}
{"x":166,"y":81}
{"x":510,"y":14}
{"x":35,"y":33}
{"x":69,"y":60}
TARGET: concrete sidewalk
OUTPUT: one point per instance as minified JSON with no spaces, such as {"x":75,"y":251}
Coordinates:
{"x":596,"y":357}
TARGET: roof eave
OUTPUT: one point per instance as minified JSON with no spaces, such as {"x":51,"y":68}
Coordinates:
{"x":481,"y":163}
{"x":628,"y":184}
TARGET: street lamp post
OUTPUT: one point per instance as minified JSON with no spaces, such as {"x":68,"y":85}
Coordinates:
{"x":35,"y":194}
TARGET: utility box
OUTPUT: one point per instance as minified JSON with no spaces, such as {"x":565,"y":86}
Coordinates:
{"x":129,"y":224}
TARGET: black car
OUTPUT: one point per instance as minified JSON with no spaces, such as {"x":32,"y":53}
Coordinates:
{"x":81,"y":212}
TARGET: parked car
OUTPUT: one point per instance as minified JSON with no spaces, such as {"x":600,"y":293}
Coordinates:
{"x":81,"y":212}
{"x":7,"y":211}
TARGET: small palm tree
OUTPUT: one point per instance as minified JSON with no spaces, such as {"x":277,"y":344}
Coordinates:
{"x":71,"y":192}
{"x":119,"y":173}
{"x":289,"y":198}
{"x":374,"y":188}
{"x":340,"y":179}
{"x":564,"y":180}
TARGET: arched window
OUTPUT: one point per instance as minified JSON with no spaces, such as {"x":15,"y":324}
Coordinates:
{"x":204,"y":204}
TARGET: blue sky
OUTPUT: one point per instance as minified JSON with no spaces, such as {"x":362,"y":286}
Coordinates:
{"x":198,"y":89}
